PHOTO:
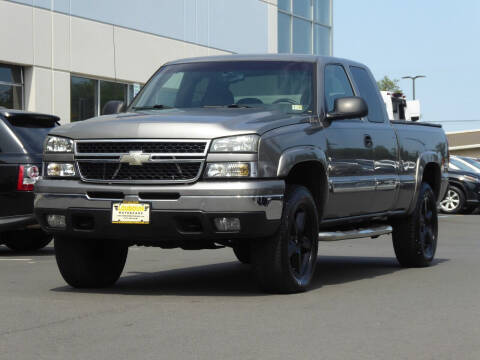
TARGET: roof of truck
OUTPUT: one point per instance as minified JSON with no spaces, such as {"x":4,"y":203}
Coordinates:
{"x":266,"y":57}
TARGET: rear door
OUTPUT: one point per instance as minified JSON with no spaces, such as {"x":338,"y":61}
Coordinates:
{"x":383,"y":141}
{"x":351,"y":172}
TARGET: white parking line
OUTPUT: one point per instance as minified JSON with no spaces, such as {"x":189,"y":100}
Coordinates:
{"x":15,"y":259}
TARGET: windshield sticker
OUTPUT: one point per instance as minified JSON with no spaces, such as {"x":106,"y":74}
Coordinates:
{"x":297,"y":107}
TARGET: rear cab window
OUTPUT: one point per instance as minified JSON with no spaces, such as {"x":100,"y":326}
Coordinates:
{"x":368,"y":91}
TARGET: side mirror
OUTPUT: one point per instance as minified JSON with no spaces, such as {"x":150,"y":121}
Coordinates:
{"x":350,"y":107}
{"x":113,"y":107}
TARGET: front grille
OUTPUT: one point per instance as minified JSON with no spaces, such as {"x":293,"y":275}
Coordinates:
{"x":112,"y":171}
{"x":168,"y":161}
{"x":151,"y":147}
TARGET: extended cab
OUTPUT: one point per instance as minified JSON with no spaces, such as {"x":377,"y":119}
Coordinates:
{"x":264,"y":154}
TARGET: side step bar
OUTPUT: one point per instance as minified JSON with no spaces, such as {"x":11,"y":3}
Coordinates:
{"x":355,"y":234}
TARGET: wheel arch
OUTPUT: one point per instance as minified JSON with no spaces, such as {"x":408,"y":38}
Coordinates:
{"x":429,"y":165}
{"x":307,"y":166}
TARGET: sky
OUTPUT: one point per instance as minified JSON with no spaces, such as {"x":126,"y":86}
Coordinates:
{"x":436,"y":38}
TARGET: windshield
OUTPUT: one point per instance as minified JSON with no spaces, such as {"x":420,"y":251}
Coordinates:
{"x":461,"y":164}
{"x":278,"y":85}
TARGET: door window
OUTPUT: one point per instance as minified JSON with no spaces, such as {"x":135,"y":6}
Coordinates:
{"x":337,"y":85}
{"x":369,"y":92}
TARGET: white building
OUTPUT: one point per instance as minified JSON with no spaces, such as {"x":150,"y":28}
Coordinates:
{"x":69,"y":57}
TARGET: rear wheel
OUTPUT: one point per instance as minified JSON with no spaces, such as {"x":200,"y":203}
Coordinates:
{"x":26,"y":240}
{"x":89,"y":263}
{"x":415,"y":237}
{"x":453,"y":202}
{"x":285,"y":262}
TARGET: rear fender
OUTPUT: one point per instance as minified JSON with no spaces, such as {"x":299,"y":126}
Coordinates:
{"x":424,"y":159}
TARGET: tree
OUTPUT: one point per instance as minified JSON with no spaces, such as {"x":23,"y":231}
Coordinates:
{"x":387,"y":84}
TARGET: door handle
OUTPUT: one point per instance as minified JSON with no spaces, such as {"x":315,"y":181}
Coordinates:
{"x":367,"y":140}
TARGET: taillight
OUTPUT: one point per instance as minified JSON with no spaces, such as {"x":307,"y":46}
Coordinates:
{"x":27,"y":177}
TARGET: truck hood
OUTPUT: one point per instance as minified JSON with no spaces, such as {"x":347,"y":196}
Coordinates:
{"x":179,"y":124}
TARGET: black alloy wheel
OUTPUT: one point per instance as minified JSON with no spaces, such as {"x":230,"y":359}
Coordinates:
{"x":300,"y":244}
{"x":415,"y":236}
{"x":428,"y":227}
{"x":286,"y":261}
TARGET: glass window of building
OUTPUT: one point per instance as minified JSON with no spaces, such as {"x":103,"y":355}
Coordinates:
{"x":304,"y":26}
{"x":89,"y":96}
{"x":321,"y":12}
{"x":321,"y":43}
{"x":285,"y":5}
{"x":112,"y":91}
{"x":83,"y":98}
{"x":303,"y":8}
{"x":284,"y":33}
{"x":11,"y":86}
{"x":302,"y":36}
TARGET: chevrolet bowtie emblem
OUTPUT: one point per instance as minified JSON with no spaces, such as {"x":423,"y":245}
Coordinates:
{"x":135,"y":158}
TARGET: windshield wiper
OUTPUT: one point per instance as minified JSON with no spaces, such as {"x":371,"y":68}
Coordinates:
{"x":157,"y":106}
{"x":230,"y":106}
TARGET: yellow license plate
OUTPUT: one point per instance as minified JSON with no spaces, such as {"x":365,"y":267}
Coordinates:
{"x":130,"y":213}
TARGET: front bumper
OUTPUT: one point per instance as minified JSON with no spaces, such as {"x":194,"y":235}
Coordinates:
{"x":178,"y":211}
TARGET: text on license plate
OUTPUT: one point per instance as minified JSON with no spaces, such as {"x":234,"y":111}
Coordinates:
{"x":130,"y":213}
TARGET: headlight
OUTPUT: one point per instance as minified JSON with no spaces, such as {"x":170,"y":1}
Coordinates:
{"x":231,"y":169}
{"x":55,"y":144}
{"x":60,"y":170}
{"x":471,"y":178}
{"x":242,"y":143}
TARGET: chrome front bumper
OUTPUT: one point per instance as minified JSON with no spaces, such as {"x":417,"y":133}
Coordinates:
{"x":207,"y":196}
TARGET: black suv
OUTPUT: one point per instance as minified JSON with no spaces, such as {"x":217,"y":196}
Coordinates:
{"x":21,"y":141}
{"x":463,"y":193}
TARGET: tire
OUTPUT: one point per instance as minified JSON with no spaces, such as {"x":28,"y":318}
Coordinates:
{"x":285,"y":262}
{"x":89,"y":263}
{"x":453,"y":202}
{"x":415,"y":236}
{"x":242,"y":252}
{"x":26,"y":240}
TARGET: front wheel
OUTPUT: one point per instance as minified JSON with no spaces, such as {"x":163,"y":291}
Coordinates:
{"x":89,"y":263}
{"x":26,"y":240}
{"x":415,"y":236}
{"x":285,"y":262}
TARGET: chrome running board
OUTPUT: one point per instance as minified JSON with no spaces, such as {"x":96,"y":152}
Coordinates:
{"x":355,"y":234}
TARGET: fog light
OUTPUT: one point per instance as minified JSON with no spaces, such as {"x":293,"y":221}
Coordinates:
{"x":60,"y":169}
{"x":56,"y":221}
{"x":227,"y":224}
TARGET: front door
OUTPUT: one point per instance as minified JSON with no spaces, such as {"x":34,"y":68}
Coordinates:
{"x":349,"y":152}
{"x":384,"y":142}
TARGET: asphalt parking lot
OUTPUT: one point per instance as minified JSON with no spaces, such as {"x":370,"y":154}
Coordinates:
{"x":174,"y":304}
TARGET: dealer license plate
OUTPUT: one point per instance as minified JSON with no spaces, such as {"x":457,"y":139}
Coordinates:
{"x":130,"y":213}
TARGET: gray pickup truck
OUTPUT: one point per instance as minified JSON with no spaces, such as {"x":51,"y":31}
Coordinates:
{"x":264,"y":154}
